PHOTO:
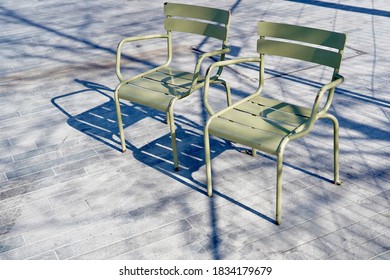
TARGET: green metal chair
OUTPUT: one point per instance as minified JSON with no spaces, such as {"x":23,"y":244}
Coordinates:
{"x":267,"y":124}
{"x":159,"y":88}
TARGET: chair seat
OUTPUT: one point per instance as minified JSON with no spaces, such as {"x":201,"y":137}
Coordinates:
{"x":156,"y":90}
{"x":260,"y":123}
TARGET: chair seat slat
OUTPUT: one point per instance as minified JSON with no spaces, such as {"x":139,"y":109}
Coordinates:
{"x":180,"y":74}
{"x":160,"y":87}
{"x":282,"y":106}
{"x":255,"y":138}
{"x":271,"y":108}
{"x":168,"y":80}
{"x":266,"y":124}
{"x":155,"y":99}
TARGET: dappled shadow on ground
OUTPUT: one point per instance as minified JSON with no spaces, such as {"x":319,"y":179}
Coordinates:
{"x":100,"y":124}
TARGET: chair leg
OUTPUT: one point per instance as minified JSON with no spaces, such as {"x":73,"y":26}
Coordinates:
{"x":228,"y":92}
{"x":208,"y":162}
{"x":120,"y":124}
{"x":171,"y":123}
{"x":167,"y":118}
{"x":279,"y":168}
{"x":337,"y":180}
{"x":279,"y":188}
{"x":254,"y":152}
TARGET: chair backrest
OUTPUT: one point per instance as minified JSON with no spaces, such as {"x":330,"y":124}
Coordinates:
{"x":304,"y":43}
{"x":210,"y":22}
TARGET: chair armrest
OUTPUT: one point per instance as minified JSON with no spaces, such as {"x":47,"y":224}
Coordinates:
{"x":338,"y":80}
{"x":328,"y":87}
{"x":210,"y":54}
{"x":221,"y":52}
{"x":315,"y":113}
{"x":221,"y":64}
{"x":134,"y":39}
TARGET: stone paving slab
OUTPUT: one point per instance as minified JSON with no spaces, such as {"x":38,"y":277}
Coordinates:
{"x":67,"y":192}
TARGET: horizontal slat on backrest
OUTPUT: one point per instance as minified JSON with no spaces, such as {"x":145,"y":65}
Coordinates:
{"x":302,"y":52}
{"x":198,"y":12}
{"x":303,"y":34}
{"x":196,"y":27}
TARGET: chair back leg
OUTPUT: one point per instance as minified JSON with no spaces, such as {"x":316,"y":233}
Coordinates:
{"x":254,"y":152}
{"x":228,"y":92}
{"x":335,"y":122}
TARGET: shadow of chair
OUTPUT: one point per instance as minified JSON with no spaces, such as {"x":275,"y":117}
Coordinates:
{"x":99,"y":123}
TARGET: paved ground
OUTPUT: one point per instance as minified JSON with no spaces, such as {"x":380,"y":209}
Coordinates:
{"x":67,"y":192}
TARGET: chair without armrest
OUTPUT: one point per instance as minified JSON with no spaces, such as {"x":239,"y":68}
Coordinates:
{"x":161,"y":87}
{"x":268,"y":124}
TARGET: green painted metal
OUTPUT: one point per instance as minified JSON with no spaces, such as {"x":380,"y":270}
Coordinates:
{"x":197,"y":12}
{"x":196,"y":27}
{"x":267,"y":124}
{"x":161,"y":87}
{"x":319,"y":37}
{"x":311,"y":54}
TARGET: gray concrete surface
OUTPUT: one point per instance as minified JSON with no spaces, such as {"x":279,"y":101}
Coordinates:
{"x":67,"y":192}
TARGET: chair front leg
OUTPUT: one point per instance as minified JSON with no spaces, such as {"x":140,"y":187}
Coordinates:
{"x":279,"y":168}
{"x":279,"y":188}
{"x":208,"y":161}
{"x":171,"y":123}
{"x":120,"y":123}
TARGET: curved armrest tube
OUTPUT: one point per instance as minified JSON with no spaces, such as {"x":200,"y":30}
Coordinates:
{"x":314,"y":112}
{"x":333,"y":84}
{"x":133,"y":39}
{"x":213,"y":53}
{"x":200,"y":61}
{"x":208,"y":78}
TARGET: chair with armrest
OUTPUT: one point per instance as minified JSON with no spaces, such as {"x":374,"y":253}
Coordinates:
{"x":268,"y":124}
{"x":161,"y":87}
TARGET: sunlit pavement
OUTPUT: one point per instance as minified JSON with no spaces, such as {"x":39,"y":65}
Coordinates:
{"x":67,"y":192}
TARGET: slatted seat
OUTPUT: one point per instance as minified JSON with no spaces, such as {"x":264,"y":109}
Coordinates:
{"x":157,"y":90}
{"x":161,"y":87}
{"x":268,"y":124}
{"x":260,"y":123}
